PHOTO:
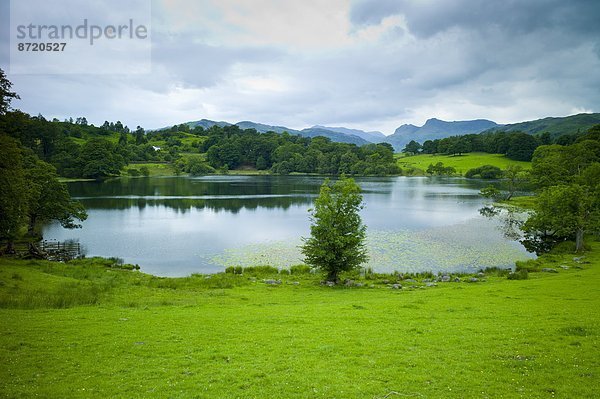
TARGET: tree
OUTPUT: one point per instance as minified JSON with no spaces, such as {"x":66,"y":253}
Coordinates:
{"x":412,"y":148}
{"x":48,"y":198}
{"x":13,"y":192}
{"x":485,"y":172}
{"x":515,"y":179}
{"x":6,"y":96}
{"x":521,"y":146}
{"x":337,"y":241}
{"x":566,"y":212}
{"x":98,"y":159}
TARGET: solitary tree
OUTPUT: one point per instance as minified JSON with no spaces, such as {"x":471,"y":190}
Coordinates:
{"x":337,"y":241}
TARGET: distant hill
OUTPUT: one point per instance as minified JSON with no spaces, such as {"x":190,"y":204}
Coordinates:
{"x":207,"y":124}
{"x":340,"y":135}
{"x":373,"y":136}
{"x":436,"y":129}
{"x":262,"y":128}
{"x":554,"y":126}
{"x":334,"y":136}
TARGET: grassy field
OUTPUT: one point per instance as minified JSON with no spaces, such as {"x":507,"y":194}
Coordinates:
{"x":91,"y":331}
{"x":462,"y":163}
{"x":155,"y":169}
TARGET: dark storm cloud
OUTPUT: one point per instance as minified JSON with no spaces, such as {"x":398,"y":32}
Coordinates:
{"x":427,"y":18}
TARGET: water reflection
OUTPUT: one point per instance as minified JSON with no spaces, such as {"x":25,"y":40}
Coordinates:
{"x":178,"y":225}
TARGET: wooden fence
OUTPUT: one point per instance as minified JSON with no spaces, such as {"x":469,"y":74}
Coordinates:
{"x":65,"y":250}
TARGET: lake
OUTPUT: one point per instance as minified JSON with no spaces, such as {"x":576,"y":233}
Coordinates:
{"x":176,"y":226}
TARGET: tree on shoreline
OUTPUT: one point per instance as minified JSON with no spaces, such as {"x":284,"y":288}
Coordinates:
{"x":337,"y":241}
{"x":13,"y":192}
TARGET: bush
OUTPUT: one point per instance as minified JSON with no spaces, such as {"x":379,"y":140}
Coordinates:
{"x":485,"y":172}
{"x":260,"y":270}
{"x":440,"y":170}
{"x":233,"y":270}
{"x":522,"y":274}
{"x":300,"y":269}
{"x":145,"y":171}
{"x":201,"y":169}
{"x":133,"y":172}
{"x":497,"y":271}
{"x":531,"y":265}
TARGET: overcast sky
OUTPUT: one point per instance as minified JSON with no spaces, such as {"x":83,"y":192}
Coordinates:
{"x":372,"y":65}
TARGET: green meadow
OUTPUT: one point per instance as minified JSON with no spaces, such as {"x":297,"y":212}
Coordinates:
{"x":90,"y":329}
{"x":462,"y":163}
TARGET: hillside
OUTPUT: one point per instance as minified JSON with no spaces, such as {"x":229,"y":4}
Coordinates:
{"x":373,"y":136}
{"x":461,"y":163}
{"x":436,"y":129}
{"x":554,"y":126}
{"x":334,"y":136}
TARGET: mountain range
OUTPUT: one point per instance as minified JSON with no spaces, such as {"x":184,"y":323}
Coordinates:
{"x":431,"y":130}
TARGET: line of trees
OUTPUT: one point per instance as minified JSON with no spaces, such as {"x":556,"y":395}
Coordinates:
{"x":518,"y":146}
{"x":230,"y":147}
{"x":77,"y":149}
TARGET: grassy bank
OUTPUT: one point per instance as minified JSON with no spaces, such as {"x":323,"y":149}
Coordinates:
{"x":87,"y":330}
{"x":462,"y":163}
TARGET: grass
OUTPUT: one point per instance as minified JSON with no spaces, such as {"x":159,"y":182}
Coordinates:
{"x":88,"y":330}
{"x":462,"y":163}
{"x":155,"y":169}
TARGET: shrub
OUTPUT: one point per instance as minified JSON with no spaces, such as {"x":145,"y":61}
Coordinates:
{"x":522,"y":274}
{"x":145,"y":171}
{"x":531,"y":265}
{"x":133,"y":172}
{"x":485,"y":172}
{"x":497,"y":271}
{"x":300,"y":269}
{"x":260,"y":270}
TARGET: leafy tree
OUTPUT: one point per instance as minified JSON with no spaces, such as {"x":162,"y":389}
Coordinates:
{"x":566,"y":212}
{"x":412,"y":148}
{"x":485,"y":172}
{"x":429,"y":147}
{"x":48,"y":198}
{"x":440,"y":170}
{"x":337,"y":241}
{"x":521,"y":147}
{"x":515,"y":178}
{"x":98,"y":159}
{"x":6,"y":96}
{"x":460,"y":147}
{"x":13,"y":192}
{"x":491,"y":192}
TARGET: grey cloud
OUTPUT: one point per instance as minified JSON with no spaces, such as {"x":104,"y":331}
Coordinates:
{"x":197,"y":65}
{"x":426,"y":19}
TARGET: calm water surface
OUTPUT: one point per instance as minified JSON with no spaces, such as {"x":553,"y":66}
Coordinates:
{"x":175,"y":226}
